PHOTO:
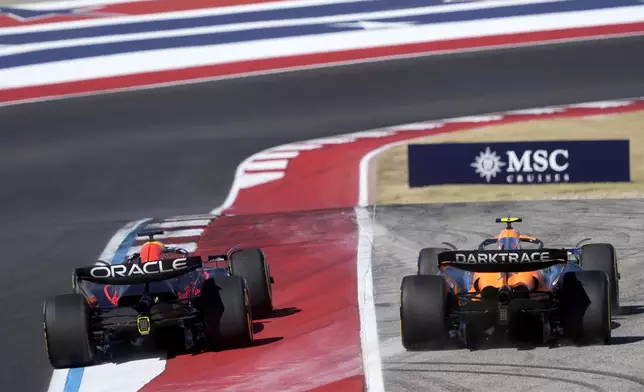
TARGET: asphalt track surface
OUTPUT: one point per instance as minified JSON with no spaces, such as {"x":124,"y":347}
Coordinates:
{"x":401,"y":231}
{"x":74,"y":171}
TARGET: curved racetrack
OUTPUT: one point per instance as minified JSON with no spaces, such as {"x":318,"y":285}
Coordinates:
{"x":74,"y":171}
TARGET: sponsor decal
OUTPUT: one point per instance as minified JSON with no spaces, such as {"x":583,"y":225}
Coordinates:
{"x":519,"y":162}
{"x":522,"y":256}
{"x":501,"y":257}
{"x":529,"y":166}
{"x":149,"y":268}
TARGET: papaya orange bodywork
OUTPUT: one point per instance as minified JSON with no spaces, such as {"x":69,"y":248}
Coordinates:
{"x":533,"y":280}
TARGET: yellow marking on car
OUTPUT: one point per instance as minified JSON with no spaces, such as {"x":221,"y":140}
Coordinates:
{"x":143,"y":325}
{"x":249,"y":322}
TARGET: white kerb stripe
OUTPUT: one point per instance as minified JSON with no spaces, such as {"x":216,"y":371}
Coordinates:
{"x":334,"y":140}
{"x":372,"y":134}
{"x":276,"y":155}
{"x":601,"y":104}
{"x":537,"y":111}
{"x":474,"y":119}
{"x":279,"y":164}
{"x":174,"y":224}
{"x":295,"y":147}
{"x":418,"y":126}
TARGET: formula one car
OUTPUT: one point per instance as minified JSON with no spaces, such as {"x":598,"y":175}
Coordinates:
{"x":176,"y":303}
{"x":474,"y":295}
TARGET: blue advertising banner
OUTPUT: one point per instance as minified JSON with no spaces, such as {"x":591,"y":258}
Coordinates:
{"x":519,"y":162}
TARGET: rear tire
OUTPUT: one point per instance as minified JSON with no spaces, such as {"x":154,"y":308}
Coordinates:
{"x":68,"y":337}
{"x":251,"y":265}
{"x":601,"y":257}
{"x":226,"y":313}
{"x":586,"y":308}
{"x":422,"y":312}
{"x":428,"y":261}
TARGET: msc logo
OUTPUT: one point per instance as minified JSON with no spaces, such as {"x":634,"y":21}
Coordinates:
{"x":532,"y":166}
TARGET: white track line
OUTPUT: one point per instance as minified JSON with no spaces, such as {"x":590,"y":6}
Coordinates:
{"x":303,"y":146}
{"x":368,"y":325}
{"x":365,"y":179}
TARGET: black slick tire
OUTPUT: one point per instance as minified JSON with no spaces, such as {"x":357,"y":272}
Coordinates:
{"x":226,"y":314}
{"x":251,"y":265}
{"x":602,"y":257}
{"x":586,"y":309}
{"x":68,"y":338}
{"x":428,"y":261}
{"x":422,"y":312}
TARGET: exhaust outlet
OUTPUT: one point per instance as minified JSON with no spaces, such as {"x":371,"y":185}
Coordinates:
{"x":504,"y":295}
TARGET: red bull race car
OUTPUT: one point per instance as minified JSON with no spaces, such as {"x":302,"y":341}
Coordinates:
{"x":160,"y":295}
{"x":510,"y":291}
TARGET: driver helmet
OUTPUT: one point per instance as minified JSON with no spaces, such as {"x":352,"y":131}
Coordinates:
{"x":152,"y":251}
{"x":508,"y":239}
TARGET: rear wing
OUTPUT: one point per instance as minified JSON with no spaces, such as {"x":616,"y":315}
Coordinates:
{"x":502,"y":260}
{"x":152,"y":271}
{"x":149,"y":233}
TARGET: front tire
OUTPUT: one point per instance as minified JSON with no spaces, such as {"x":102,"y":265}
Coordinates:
{"x":601,"y":257}
{"x":251,"y":265}
{"x":226,"y":313}
{"x":68,"y":337}
{"x":422,"y":312}
{"x":586,"y":307}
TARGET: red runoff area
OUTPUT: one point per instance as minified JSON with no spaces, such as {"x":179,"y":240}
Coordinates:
{"x":313,"y":339}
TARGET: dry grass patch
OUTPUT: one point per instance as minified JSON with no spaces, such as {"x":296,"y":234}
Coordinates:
{"x":392,"y":173}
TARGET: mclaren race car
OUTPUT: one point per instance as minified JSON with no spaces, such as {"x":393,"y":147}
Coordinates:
{"x":510,"y":291}
{"x":154,"y":299}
